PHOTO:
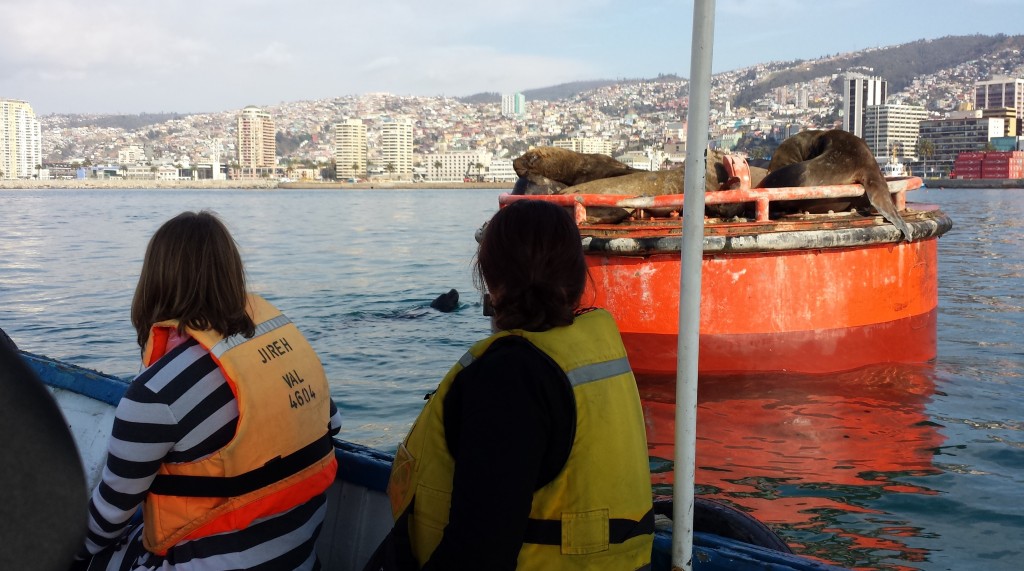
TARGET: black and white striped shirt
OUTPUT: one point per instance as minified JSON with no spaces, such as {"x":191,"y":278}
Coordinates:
{"x":181,"y":409}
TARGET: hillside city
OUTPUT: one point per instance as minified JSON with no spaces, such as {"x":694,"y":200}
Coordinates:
{"x":444,"y":139}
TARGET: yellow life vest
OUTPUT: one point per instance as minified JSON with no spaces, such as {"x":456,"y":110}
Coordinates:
{"x":596,"y":514}
{"x":281,"y":454}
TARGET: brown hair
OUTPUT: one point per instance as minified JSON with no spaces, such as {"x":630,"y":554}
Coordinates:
{"x":192,"y":272}
{"x":531,"y":261}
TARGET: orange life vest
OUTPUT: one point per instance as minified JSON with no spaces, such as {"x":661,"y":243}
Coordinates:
{"x":281,"y":454}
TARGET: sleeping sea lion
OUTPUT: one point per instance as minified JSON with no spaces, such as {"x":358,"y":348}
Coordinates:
{"x":534,"y":184}
{"x":637,"y":183}
{"x":568,"y":167}
{"x":820,"y":158}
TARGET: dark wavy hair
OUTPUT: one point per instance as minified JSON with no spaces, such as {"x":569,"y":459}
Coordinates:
{"x":531,"y":261}
{"x":192,"y":272}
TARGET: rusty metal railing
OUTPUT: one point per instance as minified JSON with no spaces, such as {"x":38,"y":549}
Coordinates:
{"x":761,"y":197}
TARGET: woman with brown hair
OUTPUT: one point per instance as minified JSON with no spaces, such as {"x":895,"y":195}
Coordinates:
{"x":225,"y":438}
{"x":531,"y":453}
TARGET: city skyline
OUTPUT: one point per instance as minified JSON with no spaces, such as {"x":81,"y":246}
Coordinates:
{"x":117,"y":56}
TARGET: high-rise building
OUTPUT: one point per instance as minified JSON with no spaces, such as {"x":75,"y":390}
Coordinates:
{"x":513,"y":105}
{"x":860,"y":92}
{"x":1001,"y":91}
{"x":350,"y":149}
{"x":396,"y":148}
{"x":21,"y":149}
{"x":892,"y":129}
{"x":257,"y":147}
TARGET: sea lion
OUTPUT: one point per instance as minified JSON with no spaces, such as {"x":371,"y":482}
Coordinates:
{"x":821,"y":158}
{"x":534,"y":184}
{"x":637,"y":183}
{"x":446,"y":302}
{"x":568,"y":167}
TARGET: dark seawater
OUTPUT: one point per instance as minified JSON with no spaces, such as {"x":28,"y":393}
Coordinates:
{"x":886,"y":467}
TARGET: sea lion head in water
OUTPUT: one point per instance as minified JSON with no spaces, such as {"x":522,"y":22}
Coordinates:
{"x":821,"y":158}
{"x":446,"y":302}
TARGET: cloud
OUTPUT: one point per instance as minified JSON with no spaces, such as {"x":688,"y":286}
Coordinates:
{"x":196,"y":55}
{"x":275,"y":55}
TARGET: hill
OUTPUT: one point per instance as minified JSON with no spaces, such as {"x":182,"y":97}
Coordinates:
{"x":564,"y":90}
{"x":127,"y":122}
{"x":899,"y":64}
{"x":960,"y":59}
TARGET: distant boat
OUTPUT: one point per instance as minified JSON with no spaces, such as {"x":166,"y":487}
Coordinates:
{"x":894,"y":168}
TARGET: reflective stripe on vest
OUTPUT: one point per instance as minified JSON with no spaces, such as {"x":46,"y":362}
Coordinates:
{"x":281,"y":455}
{"x":599,"y":506}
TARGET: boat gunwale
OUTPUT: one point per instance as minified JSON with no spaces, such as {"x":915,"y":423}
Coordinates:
{"x":760,"y":197}
{"x":821,"y":234}
{"x":359,"y":464}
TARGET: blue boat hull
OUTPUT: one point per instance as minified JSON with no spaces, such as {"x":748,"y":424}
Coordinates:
{"x":358,"y":511}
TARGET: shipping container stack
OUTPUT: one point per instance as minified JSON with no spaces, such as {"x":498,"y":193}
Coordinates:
{"x":991,"y":164}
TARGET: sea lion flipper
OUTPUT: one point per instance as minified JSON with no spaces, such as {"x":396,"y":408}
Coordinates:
{"x":535,"y":184}
{"x":881,"y":199}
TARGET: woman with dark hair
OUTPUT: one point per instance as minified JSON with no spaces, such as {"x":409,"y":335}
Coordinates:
{"x":532,"y":452}
{"x":225,"y":438}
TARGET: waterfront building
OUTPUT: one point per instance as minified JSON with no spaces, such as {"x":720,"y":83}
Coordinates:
{"x":501,"y":170}
{"x":961,"y":131}
{"x":256,"y":145}
{"x":513,"y":105}
{"x":860,"y":92}
{"x":1002,"y":91}
{"x":893,"y":128}
{"x":457,"y":166}
{"x":396,"y":148}
{"x":350,"y":149}
{"x":21,"y":150}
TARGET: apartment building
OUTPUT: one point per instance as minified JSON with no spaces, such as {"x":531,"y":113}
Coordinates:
{"x":350,"y":149}
{"x":1001,"y":91}
{"x":457,"y":166}
{"x":21,"y":149}
{"x":256,"y":145}
{"x":396,"y":148}
{"x":513,"y":105}
{"x":586,"y":145}
{"x":131,"y":155}
{"x":893,"y":128}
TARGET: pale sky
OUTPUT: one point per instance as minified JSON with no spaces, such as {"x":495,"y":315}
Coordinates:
{"x":132,"y":56}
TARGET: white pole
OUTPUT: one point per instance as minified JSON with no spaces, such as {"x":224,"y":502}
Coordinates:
{"x":692,"y":253}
